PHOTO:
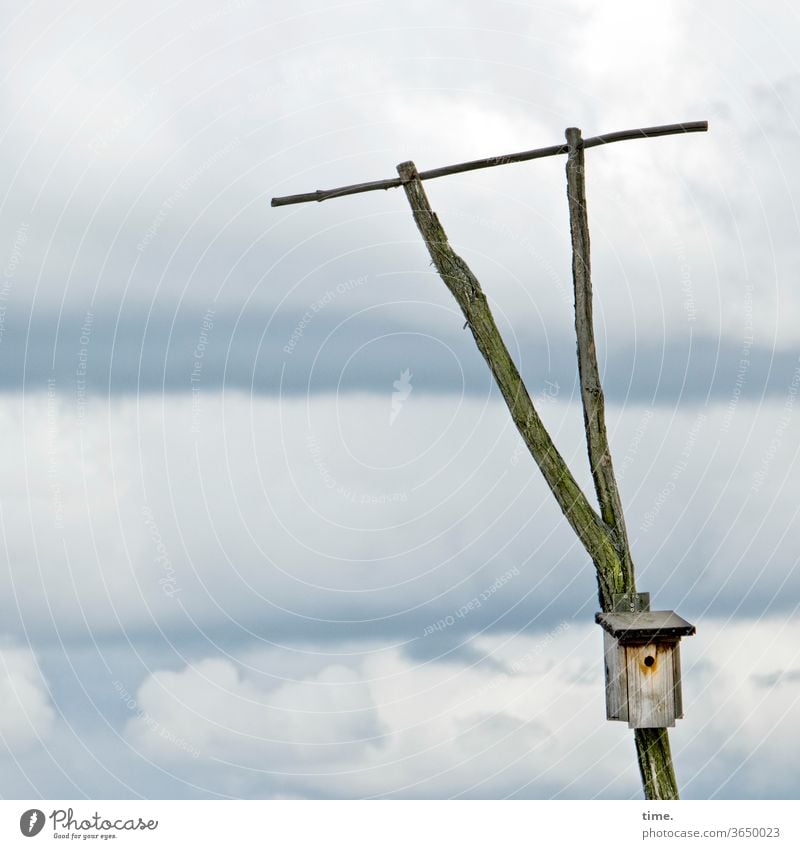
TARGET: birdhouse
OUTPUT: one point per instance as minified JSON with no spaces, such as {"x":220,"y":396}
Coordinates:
{"x":643,"y":665}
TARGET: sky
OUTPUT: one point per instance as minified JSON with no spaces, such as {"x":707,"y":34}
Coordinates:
{"x":268,"y":529}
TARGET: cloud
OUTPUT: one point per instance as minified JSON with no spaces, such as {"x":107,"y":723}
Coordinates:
{"x":536,"y":729}
{"x":376,"y":726}
{"x":323,"y":347}
{"x":521,"y":715}
{"x":146,"y":186}
{"x":774,"y":679}
{"x":173,"y":512}
{"x":177,"y":518}
{"x":209,"y":710}
{"x":28,"y":717}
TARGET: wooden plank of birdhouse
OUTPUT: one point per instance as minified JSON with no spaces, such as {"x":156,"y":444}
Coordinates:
{"x":676,"y":680}
{"x":651,"y":699}
{"x":616,"y":679}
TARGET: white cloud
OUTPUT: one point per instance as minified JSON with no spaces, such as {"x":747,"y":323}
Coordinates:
{"x":536,"y":729}
{"x":27,"y":717}
{"x":210,"y":711}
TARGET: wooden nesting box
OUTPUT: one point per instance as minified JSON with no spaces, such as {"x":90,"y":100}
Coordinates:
{"x":643,"y":666}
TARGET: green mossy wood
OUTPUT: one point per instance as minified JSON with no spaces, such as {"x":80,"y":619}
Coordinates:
{"x":467,"y":291}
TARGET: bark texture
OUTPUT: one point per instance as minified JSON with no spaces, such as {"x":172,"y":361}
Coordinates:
{"x":594,"y":418}
{"x":655,"y":763}
{"x":467,"y":291}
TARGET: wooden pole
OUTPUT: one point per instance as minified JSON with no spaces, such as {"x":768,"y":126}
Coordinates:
{"x":493,"y":161}
{"x":596,"y":537}
{"x":592,"y":398}
{"x":652,"y":744}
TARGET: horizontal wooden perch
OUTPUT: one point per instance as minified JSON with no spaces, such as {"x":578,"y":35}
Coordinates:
{"x":492,"y":161}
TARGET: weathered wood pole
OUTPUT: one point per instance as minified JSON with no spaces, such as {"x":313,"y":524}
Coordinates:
{"x":594,"y":418}
{"x":652,"y":744}
{"x":603,"y":536}
{"x":467,"y":291}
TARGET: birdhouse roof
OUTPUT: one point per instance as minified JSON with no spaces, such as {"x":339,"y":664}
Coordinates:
{"x":645,"y":625}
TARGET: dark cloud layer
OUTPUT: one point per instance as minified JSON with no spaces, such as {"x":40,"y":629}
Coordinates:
{"x":99,"y":351}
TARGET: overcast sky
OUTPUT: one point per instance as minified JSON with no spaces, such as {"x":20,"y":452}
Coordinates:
{"x":255,"y":466}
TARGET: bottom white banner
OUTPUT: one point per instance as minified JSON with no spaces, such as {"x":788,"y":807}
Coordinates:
{"x":390,"y":824}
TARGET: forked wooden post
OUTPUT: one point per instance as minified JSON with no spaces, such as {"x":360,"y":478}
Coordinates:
{"x":603,"y":535}
{"x":467,"y":291}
